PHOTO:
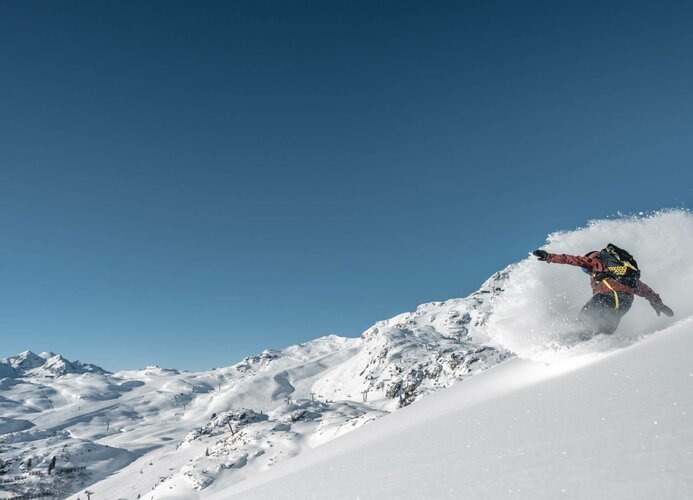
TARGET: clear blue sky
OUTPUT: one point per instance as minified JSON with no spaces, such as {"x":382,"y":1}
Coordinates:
{"x":187,"y":183}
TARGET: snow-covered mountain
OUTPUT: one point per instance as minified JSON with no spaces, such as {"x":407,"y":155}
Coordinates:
{"x":161,"y":433}
{"x":143,"y":432}
{"x":46,"y":364}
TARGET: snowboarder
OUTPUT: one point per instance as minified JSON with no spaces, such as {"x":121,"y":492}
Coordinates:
{"x":615,"y":279}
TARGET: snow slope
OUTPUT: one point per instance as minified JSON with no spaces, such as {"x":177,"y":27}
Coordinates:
{"x":609,"y":425}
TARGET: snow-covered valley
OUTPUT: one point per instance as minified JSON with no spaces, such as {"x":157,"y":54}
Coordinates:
{"x":609,"y":418}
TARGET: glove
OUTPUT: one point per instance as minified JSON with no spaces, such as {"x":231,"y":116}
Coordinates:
{"x":661,"y":308}
{"x":541,"y":254}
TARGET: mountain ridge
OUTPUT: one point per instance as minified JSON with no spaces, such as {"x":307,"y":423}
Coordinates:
{"x":46,"y":364}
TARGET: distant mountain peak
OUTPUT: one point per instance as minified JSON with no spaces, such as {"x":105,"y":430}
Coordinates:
{"x":26,"y":360}
{"x":46,"y":364}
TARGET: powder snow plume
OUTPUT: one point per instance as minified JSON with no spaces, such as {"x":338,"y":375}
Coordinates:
{"x":537,"y":312}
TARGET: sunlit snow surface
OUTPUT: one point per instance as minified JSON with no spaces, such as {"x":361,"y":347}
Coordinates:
{"x":619,"y":426}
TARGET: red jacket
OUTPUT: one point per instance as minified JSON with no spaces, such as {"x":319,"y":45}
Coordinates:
{"x":594,"y":265}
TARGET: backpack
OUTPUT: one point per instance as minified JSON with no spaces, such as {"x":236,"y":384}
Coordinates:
{"x":621,"y":266}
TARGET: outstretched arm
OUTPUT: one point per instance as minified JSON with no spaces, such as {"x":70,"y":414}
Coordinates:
{"x":655,"y":301}
{"x":592,"y":263}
